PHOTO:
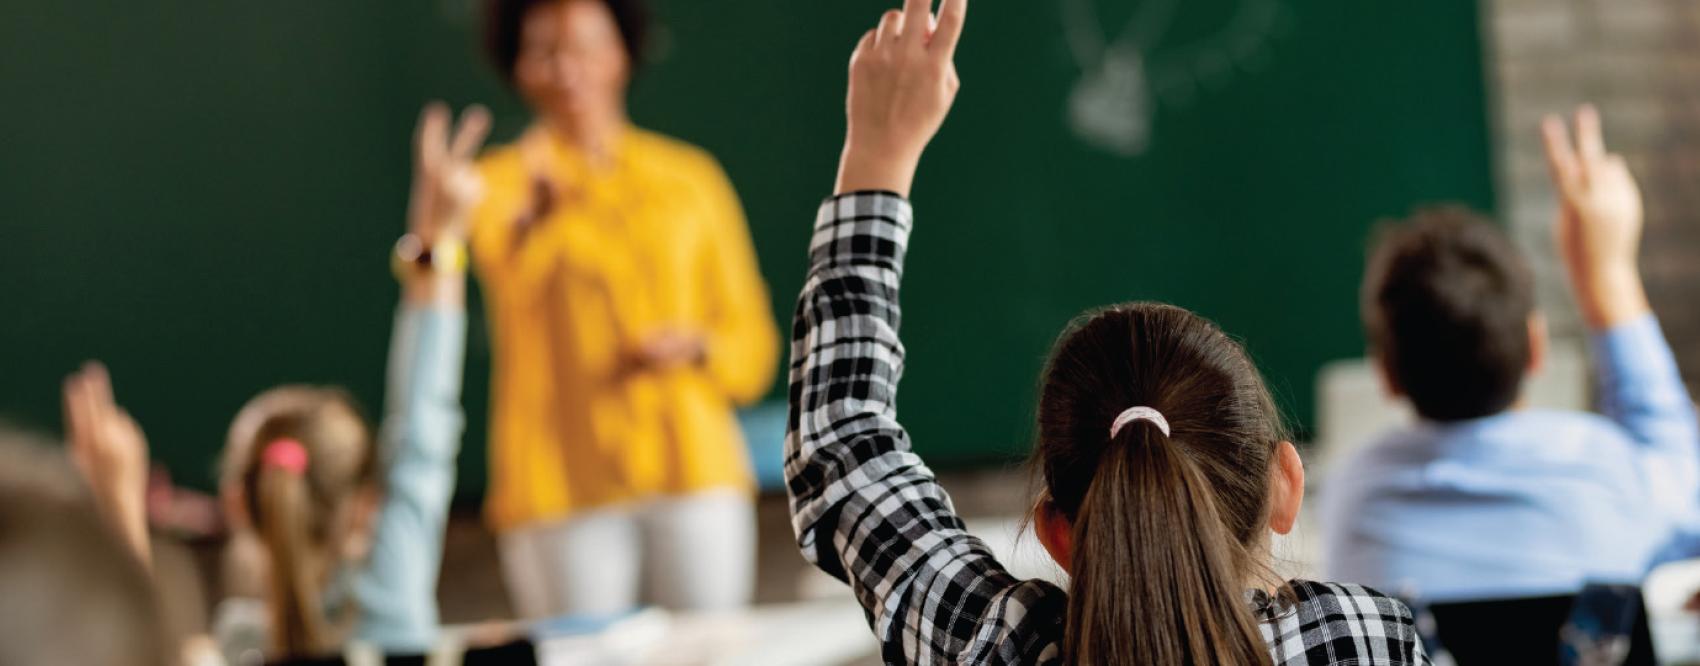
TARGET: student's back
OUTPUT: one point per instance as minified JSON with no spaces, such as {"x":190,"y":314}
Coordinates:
{"x":1517,"y":504}
{"x":1481,"y":499}
{"x":1165,"y":468}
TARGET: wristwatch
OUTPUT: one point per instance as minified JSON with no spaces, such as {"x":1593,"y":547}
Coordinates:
{"x":413,"y":257}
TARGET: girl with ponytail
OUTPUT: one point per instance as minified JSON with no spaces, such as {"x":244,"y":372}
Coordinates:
{"x":1164,"y":466}
{"x":337,"y":535}
{"x":1162,"y":518}
{"x":305,"y":476}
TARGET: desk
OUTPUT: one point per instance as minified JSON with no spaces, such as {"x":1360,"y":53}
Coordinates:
{"x":825,"y":632}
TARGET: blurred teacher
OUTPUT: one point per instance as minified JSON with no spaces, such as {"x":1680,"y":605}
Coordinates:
{"x":627,"y":318}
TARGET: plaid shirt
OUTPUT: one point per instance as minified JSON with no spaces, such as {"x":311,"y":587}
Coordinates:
{"x":869,"y":512}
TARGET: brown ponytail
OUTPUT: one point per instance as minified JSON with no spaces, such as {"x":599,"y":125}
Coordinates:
{"x":1165,"y":529}
{"x":1151,"y":556}
{"x":298,"y":623}
{"x":299,"y":501}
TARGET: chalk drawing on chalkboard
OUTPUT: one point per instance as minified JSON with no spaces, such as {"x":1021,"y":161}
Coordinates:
{"x":1123,"y":80}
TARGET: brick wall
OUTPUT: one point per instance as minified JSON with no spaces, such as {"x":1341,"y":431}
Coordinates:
{"x":1639,"y":60}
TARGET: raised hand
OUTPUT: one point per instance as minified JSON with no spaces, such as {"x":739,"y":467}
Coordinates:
{"x":1598,"y":231}
{"x":108,"y":448}
{"x":902,"y":83}
{"x":445,"y":184}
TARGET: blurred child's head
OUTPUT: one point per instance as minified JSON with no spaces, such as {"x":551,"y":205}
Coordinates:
{"x":71,"y":592}
{"x":1162,"y":534}
{"x":299,"y":473}
{"x":1448,"y":304}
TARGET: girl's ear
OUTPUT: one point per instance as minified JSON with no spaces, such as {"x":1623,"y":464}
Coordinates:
{"x":1287,"y":488}
{"x":1055,"y":532}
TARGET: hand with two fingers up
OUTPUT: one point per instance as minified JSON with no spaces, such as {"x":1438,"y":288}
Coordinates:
{"x":431,"y":258}
{"x":902,"y":83}
{"x":1598,"y":231}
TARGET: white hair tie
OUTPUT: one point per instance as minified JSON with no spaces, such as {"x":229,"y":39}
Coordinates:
{"x":1139,"y":414}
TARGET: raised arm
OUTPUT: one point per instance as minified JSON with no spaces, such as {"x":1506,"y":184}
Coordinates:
{"x":865,"y":508}
{"x":1598,"y":235}
{"x":397,"y":589}
{"x":111,"y":453}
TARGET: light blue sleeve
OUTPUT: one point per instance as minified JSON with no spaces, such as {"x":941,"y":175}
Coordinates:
{"x":1641,"y":390}
{"x":397,"y":589}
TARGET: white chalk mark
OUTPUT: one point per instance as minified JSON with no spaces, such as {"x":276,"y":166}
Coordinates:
{"x":1114,"y":104}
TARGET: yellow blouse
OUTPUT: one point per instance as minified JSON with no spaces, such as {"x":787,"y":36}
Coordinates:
{"x":654,"y":241}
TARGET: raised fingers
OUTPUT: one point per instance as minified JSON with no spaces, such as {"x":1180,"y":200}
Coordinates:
{"x":100,"y":384}
{"x":864,"y":46}
{"x":952,"y":15}
{"x":867,"y":41}
{"x":75,"y":412}
{"x":1561,"y":156}
{"x":890,"y":29}
{"x":1590,"y":140}
{"x":474,"y":126}
{"x":917,"y":18}
{"x":83,"y":410}
{"x":431,"y":136}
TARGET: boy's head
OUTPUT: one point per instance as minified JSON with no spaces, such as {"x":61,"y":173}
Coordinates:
{"x":1448,"y":304}
{"x":70,"y":592}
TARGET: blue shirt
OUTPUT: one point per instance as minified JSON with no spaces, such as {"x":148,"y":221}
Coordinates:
{"x":396,"y":589}
{"x":1526,"y":502}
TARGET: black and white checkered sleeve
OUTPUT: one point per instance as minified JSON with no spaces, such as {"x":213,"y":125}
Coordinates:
{"x":865,"y":508}
{"x":1338,"y":623}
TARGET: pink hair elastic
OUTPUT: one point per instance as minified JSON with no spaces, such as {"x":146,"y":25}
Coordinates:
{"x":285,"y":454}
{"x":1139,"y":414}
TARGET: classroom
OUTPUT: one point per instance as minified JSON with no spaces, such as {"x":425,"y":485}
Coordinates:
{"x":570,"y":332}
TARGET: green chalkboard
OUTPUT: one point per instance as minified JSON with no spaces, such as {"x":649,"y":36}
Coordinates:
{"x":203,"y":193}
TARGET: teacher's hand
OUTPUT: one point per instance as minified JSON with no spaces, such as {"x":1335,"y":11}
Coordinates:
{"x":543,"y":192}
{"x":902,"y":84}
{"x":670,"y":349}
